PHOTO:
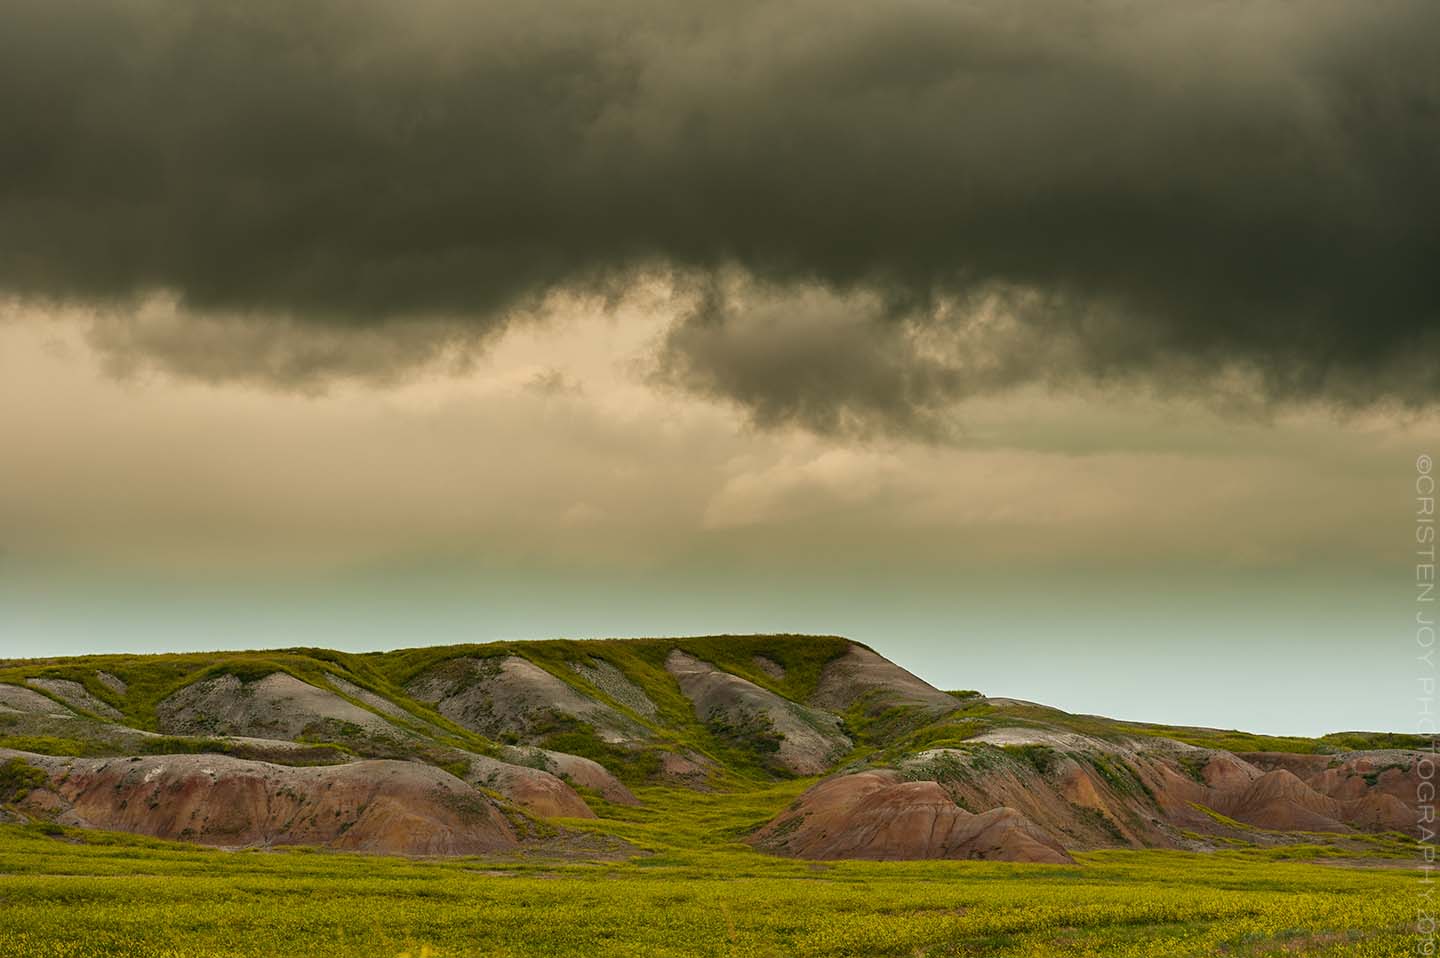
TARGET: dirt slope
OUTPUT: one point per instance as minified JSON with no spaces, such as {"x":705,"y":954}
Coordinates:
{"x":375,"y":703}
{"x":276,"y":706}
{"x":584,"y":772}
{"x":862,"y":674}
{"x":14,"y":698}
{"x":807,"y":740}
{"x":375,"y":806}
{"x":614,"y":683}
{"x":1279,"y":800}
{"x":76,"y":696}
{"x":536,"y":791}
{"x":877,"y":815}
{"x":112,"y":682}
{"x":512,"y":696}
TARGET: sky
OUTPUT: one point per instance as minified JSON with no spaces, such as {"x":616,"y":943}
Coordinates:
{"x":1074,"y":352}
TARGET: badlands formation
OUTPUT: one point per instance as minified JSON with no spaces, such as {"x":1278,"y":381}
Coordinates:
{"x":492,"y":749}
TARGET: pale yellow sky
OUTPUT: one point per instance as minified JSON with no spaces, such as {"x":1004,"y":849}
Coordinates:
{"x":552,"y":440}
{"x":1103,"y":550}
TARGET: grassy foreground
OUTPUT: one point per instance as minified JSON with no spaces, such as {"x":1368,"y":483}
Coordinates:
{"x":82,"y":894}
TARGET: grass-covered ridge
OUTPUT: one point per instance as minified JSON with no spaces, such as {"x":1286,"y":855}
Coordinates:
{"x":978,"y":715}
{"x":884,"y":735}
{"x":150,"y":679}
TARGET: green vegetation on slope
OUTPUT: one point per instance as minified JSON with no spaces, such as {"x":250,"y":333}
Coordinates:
{"x":17,"y":778}
{"x":979,"y":716}
{"x":152,"y":678}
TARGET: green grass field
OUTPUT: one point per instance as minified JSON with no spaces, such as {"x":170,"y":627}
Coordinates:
{"x":81,"y":894}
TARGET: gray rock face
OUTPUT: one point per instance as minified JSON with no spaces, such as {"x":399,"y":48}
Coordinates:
{"x":76,"y":696}
{"x":496,"y":696}
{"x":376,"y":702}
{"x":581,"y":771}
{"x":277,"y":706}
{"x":14,"y":698}
{"x":862,"y":673}
{"x":614,"y":683}
{"x":113,"y":682}
{"x":809,"y":739}
{"x":537,"y":791}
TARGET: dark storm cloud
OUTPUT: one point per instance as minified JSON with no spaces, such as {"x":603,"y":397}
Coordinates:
{"x":853,"y":363}
{"x":1177,"y":186}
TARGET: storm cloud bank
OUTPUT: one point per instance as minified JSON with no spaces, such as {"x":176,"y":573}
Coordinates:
{"x":870,"y":209}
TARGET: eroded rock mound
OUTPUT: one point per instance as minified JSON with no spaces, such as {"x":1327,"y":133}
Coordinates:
{"x":276,"y":706}
{"x":1228,"y":772}
{"x":862,"y":674}
{"x":511,"y":695}
{"x":1085,"y":798}
{"x":878,"y":815}
{"x":1278,"y":800}
{"x":375,"y":806}
{"x":14,"y":698}
{"x":584,"y":772}
{"x":112,"y":682}
{"x":690,"y":769}
{"x":536,"y":791}
{"x":76,"y":696}
{"x":616,"y":684}
{"x":806,"y":740}
{"x":1351,"y":775}
{"x":1156,"y":792}
{"x":1372,"y":790}
{"x":372,"y":701}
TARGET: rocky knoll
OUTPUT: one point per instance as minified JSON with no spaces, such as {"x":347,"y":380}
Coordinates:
{"x":512,"y":696}
{"x":14,"y":698}
{"x":605,"y":677}
{"x":276,"y":706}
{"x":587,"y":773}
{"x":1376,"y":789}
{"x":1085,"y":799}
{"x":861,"y":675}
{"x":878,"y":815}
{"x":533,"y":789}
{"x":1359,"y":791}
{"x":806,"y":740}
{"x":75,"y":695}
{"x":1088,"y":793}
{"x":282,"y":707}
{"x":375,"y":806}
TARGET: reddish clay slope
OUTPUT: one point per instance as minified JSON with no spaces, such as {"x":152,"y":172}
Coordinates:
{"x":375,"y":806}
{"x":585,"y":772}
{"x":536,"y":791}
{"x":861,"y":673}
{"x":876,"y":815}
{"x":1280,"y":801}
